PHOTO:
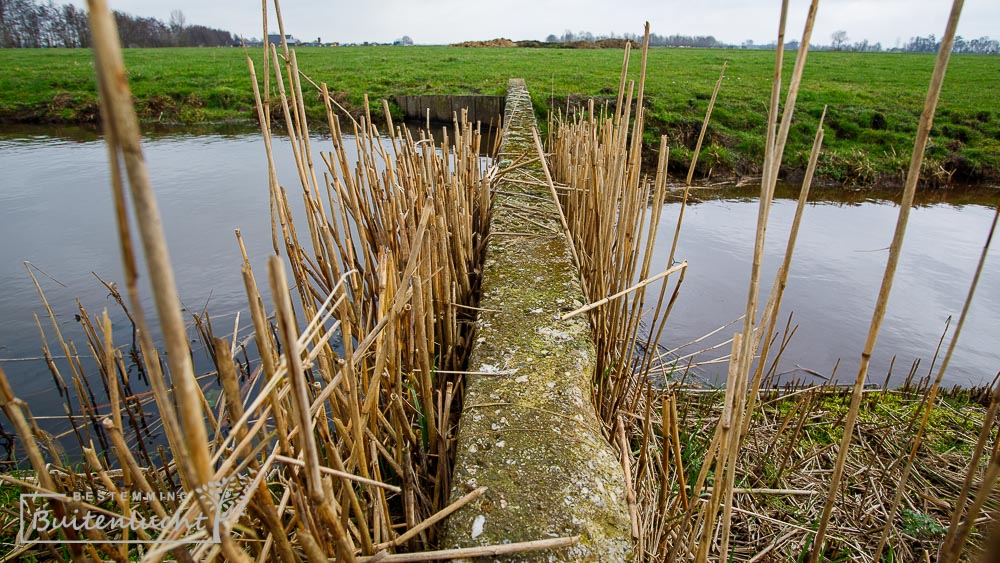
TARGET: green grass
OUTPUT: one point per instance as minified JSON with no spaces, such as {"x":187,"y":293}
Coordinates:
{"x":874,"y":98}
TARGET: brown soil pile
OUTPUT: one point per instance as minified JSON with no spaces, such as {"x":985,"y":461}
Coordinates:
{"x":499,"y":42}
{"x":615,"y":43}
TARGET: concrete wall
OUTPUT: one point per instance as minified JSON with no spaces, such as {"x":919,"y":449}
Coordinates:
{"x":481,"y":108}
{"x":528,"y":431}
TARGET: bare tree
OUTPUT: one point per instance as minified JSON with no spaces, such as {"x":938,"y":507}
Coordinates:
{"x":838,"y":39}
{"x":43,"y":23}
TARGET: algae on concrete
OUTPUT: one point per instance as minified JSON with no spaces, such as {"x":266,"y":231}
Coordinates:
{"x":528,"y":430}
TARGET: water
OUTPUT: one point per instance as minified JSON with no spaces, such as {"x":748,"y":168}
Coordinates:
{"x":56,"y":212}
{"x":834,"y":281}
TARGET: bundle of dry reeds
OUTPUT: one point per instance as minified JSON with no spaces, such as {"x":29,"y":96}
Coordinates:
{"x":611,"y":215}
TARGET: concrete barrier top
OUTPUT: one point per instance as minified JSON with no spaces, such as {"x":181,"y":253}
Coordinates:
{"x":528,"y":430}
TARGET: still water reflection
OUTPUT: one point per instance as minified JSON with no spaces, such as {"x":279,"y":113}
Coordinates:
{"x":835,"y":276}
{"x":56,"y":212}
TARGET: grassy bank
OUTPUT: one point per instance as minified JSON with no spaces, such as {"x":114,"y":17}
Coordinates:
{"x":788,"y":454}
{"x":874,"y":98}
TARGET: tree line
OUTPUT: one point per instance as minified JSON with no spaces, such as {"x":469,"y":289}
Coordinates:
{"x":655,"y":40}
{"x":839,"y":41}
{"x":35,"y":23}
{"x":980,"y":46}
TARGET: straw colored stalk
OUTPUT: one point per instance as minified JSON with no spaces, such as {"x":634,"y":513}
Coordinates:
{"x":932,"y":394}
{"x":694,"y":163}
{"x":913,"y":175}
{"x":736,"y":404}
{"x":123,"y":136}
{"x":770,"y":316}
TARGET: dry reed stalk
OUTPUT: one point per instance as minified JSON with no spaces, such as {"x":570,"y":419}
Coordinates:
{"x":440,"y":515}
{"x":625,"y":292}
{"x":555,"y":196}
{"x":694,"y":162}
{"x":923,"y":132}
{"x":123,"y":121}
{"x":932,"y":394}
{"x":736,"y":390}
{"x":725,"y":451}
{"x":770,"y":315}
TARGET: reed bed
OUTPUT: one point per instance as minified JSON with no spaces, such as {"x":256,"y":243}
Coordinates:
{"x":336,"y":440}
{"x":699,"y":468}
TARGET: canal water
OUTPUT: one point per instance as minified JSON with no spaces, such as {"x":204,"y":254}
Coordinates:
{"x":834,"y":281}
{"x":56,"y":214}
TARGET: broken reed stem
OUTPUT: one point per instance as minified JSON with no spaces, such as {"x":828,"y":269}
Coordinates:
{"x":440,"y":515}
{"x":624,"y":292}
{"x":341,"y":474}
{"x":470,"y":552}
{"x":923,"y":132}
{"x":555,"y":197}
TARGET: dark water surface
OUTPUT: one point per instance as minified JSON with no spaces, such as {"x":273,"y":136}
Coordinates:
{"x":835,"y":276}
{"x":56,"y":212}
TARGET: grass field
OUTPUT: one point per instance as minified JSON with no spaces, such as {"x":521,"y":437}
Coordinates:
{"x":874,"y":98}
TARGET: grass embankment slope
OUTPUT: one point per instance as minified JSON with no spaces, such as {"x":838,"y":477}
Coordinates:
{"x":874,"y":98}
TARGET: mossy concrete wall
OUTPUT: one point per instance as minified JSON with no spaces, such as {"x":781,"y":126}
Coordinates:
{"x":441,"y":108}
{"x":528,"y":430}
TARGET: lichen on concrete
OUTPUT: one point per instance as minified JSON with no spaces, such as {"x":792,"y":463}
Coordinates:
{"x":528,"y":431}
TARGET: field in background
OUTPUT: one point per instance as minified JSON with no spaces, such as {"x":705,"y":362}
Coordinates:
{"x":874,"y":98}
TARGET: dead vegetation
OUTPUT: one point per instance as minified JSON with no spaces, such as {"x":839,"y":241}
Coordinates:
{"x":707,"y":484}
{"x":336,"y":440}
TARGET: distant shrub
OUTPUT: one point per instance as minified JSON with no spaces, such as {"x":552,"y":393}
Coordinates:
{"x":846,"y":130}
{"x":957,"y":132}
{"x":878,"y":122}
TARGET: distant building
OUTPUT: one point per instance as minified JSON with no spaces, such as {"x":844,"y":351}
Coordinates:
{"x":275,"y":39}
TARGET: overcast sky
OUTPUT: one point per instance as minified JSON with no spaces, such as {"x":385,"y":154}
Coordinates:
{"x":450,"y":21}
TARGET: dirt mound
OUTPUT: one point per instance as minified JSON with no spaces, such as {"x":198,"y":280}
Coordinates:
{"x":615,"y":43}
{"x":499,"y":42}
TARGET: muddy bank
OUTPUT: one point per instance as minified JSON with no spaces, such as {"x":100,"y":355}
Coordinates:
{"x":723,"y":159}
